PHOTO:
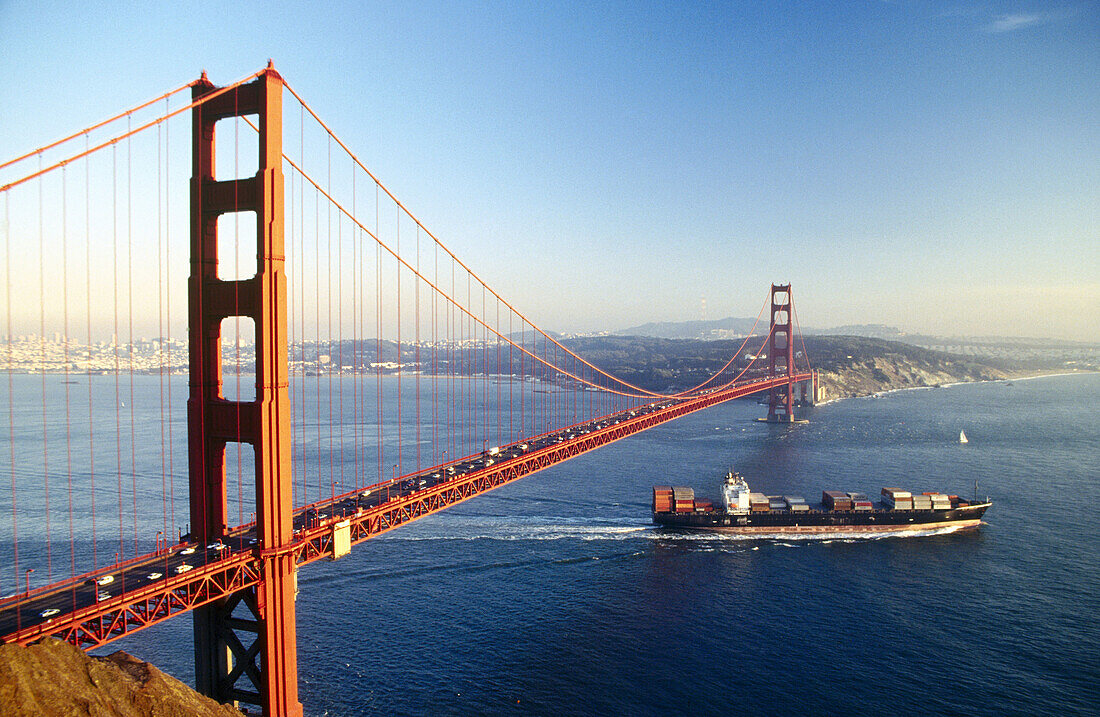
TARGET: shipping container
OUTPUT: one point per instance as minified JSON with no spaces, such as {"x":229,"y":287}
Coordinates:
{"x":836,"y":500}
{"x":662,"y":499}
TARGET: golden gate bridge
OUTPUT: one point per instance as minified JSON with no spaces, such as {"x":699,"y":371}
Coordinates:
{"x":390,"y":380}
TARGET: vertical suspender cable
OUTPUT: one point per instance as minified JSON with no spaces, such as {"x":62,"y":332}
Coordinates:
{"x":416,"y":314}
{"x":356,"y":309}
{"x":435,"y":367}
{"x":292,"y":323}
{"x":160,"y":343}
{"x":42,"y":345}
{"x":88,"y":323}
{"x":302,"y":399}
{"x":65,"y":335}
{"x":340,"y":337}
{"x":130,"y":317}
{"x":328,"y":319}
{"x":511,"y":379}
{"x":114,"y":338}
{"x":378,"y":328}
{"x":500,"y":408}
{"x":237,"y":299}
{"x":168,"y":312}
{"x":399,"y":470}
{"x":357,"y":333}
{"x":317,"y":327}
{"x":11,"y":397}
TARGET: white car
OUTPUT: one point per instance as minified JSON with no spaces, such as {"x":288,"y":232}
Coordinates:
{"x":105,"y":580}
{"x":217,"y":546}
{"x":103,"y":595}
{"x":187,"y":551}
{"x":180,"y":569}
{"x":155,"y":576}
{"x":49,"y":612}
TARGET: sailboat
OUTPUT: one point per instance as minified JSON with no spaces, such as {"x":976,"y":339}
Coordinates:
{"x":962,"y":437}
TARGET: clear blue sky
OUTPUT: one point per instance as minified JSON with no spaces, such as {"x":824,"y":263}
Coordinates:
{"x":934,"y":166}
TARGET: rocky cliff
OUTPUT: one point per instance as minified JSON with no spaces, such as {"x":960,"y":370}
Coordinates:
{"x":55,"y":678}
{"x":857,"y":366}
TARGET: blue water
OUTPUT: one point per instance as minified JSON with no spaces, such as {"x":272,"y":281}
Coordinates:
{"x":555,"y":595}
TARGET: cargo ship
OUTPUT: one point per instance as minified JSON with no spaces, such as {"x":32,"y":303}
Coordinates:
{"x":749,"y":513}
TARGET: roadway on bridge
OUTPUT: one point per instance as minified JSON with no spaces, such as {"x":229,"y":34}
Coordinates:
{"x":111,"y":587}
{"x":182,"y":558}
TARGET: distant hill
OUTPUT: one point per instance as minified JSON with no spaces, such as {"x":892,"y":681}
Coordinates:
{"x":708,"y":330}
{"x":732,"y":327}
{"x":870,"y":331}
{"x":850,"y":365}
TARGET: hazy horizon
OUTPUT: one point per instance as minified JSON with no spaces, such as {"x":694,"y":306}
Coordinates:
{"x":934,"y":169}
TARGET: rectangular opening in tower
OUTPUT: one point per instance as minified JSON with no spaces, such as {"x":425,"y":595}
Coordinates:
{"x":240,"y":483}
{"x":238,"y":358}
{"x":235,"y":148}
{"x":237,"y":245}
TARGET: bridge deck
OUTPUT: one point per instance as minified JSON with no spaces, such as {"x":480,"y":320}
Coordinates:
{"x":96,"y":608}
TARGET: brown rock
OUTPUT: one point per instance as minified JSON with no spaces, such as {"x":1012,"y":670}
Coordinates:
{"x":53,"y":678}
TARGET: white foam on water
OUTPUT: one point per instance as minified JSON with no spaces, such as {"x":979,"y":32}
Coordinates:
{"x":550,"y":528}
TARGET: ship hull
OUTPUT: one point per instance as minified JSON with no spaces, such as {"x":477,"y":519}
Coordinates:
{"x":825,"y":522}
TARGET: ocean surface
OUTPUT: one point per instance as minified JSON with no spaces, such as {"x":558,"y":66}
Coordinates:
{"x":556,"y":596}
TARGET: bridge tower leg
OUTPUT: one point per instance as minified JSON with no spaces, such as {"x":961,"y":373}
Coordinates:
{"x":781,"y":356}
{"x":259,"y":646}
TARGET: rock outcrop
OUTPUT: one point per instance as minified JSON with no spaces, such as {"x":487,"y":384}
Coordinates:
{"x":55,"y":678}
{"x":893,"y":373}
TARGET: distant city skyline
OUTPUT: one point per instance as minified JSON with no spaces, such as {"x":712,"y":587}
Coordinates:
{"x":932,"y":168}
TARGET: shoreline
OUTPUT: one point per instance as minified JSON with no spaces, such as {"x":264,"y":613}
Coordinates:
{"x":1023,"y":377}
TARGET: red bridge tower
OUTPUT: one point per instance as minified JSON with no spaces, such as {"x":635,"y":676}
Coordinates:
{"x":781,"y":356}
{"x":258,"y":642}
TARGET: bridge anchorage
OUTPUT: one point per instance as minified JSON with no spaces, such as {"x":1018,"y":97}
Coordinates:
{"x":492,"y":408}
